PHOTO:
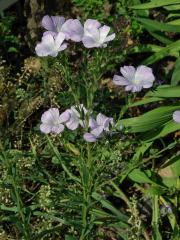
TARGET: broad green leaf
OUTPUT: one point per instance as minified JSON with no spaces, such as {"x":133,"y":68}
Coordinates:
{"x":139,"y":176}
{"x":174,"y":165}
{"x":151,"y":120}
{"x":176,"y":73}
{"x":154,"y":4}
{"x":137,"y":157}
{"x":168,"y":128}
{"x":159,"y":26}
{"x":155,"y":190}
{"x":175,"y":22}
{"x":139,"y":12}
{"x":174,"y":7}
{"x":173,"y":15}
{"x":165,"y":91}
{"x":170,"y":50}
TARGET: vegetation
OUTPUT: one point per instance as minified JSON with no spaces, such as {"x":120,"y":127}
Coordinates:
{"x":124,"y":185}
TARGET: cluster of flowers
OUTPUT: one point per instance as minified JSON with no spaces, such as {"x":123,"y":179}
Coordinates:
{"x":54,"y":122}
{"x":92,"y":34}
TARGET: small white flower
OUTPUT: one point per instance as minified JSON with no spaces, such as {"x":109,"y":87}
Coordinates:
{"x":52,"y":121}
{"x":135,"y":79}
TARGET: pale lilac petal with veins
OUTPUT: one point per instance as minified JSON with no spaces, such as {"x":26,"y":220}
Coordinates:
{"x":88,"y":137}
{"x":176,"y":116}
{"x":73,"y":30}
{"x":52,"y":121}
{"x":133,"y":79}
{"x":53,"y":23}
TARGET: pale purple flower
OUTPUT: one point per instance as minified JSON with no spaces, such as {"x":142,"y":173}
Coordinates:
{"x":51,"y":46}
{"x":176,"y":116}
{"x":95,"y":35}
{"x":98,"y":126}
{"x":135,"y":79}
{"x":52,"y":121}
{"x":76,"y":119}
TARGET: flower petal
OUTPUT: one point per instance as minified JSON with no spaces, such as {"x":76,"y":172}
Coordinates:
{"x":145,"y":76}
{"x":92,"y":123}
{"x":91,"y":23}
{"x":101,"y":118}
{"x":76,"y":31}
{"x":45,"y":128}
{"x":176,"y":116}
{"x":88,"y":137}
{"x":58,"y":21}
{"x":49,"y":116}
{"x":64,"y":117}
{"x":59,"y":39}
{"x":57,"y":128}
{"x":62,"y":47}
{"x":89,"y":42}
{"x":49,"y":33}
{"x":128,"y":72}
{"x":103,"y":33}
{"x":110,"y":37}
{"x":44,"y":48}
{"x":121,"y":81}
{"x":48,"y":24}
{"x":97,"y":131}
{"x":73,"y":123}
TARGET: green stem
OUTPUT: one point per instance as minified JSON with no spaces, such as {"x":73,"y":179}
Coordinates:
{"x":87,"y":190}
{"x":155,"y":213}
{"x":57,"y":154}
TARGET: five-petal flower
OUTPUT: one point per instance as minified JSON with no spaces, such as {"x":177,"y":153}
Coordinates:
{"x":98,"y":126}
{"x":52,"y":121}
{"x":51,"y":45}
{"x":135,"y":79}
{"x":95,"y":35}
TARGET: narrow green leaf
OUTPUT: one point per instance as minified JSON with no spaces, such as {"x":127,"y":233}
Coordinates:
{"x":159,"y":26}
{"x":155,"y":4}
{"x":170,"y":50}
{"x":146,"y":100}
{"x":106,"y":204}
{"x":176,"y":73}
